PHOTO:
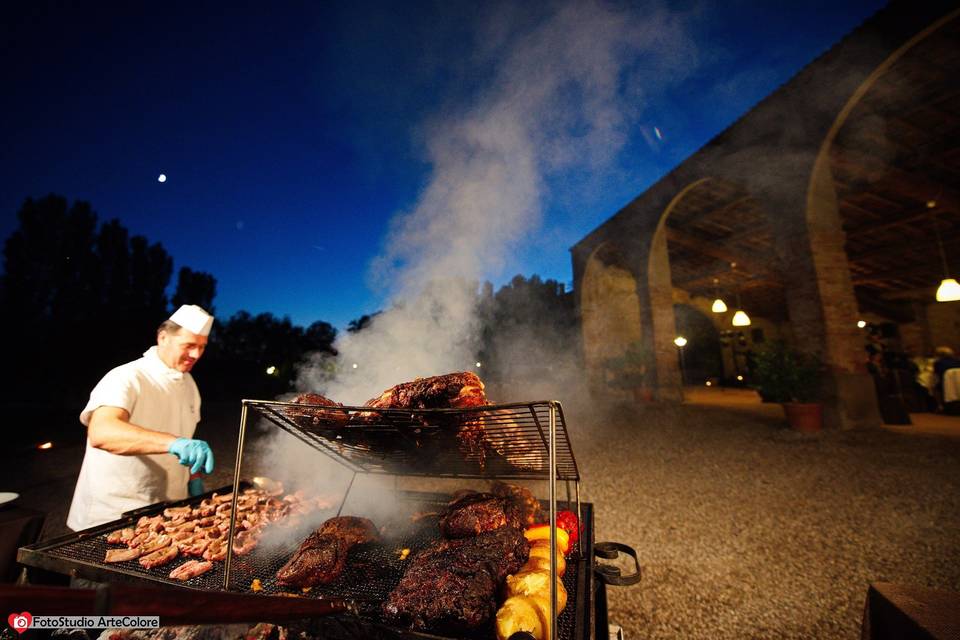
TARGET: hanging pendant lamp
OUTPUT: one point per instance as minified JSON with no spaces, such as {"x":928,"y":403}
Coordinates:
{"x":740,"y":318}
{"x":719,"y":306}
{"x":949,"y":289}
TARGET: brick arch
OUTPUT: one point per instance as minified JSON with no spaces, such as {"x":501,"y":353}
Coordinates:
{"x":609,"y":309}
{"x":841,"y":343}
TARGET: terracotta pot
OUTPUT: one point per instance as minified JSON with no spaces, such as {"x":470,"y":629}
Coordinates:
{"x":806,"y":417}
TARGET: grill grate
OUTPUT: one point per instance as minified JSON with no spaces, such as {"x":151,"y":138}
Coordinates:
{"x":507,"y":441}
{"x":371,"y":574}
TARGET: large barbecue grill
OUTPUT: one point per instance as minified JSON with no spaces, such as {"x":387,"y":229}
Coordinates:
{"x":526,"y":441}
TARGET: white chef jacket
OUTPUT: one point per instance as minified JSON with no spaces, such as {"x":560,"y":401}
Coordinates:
{"x":158,"y":398}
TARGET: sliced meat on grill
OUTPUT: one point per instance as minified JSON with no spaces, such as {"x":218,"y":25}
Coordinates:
{"x":451,"y":585}
{"x":190,"y":569}
{"x":121,"y":555}
{"x":155,"y":544}
{"x":122,"y":536}
{"x":322,"y":557}
{"x":472,"y":514}
{"x":160,"y":557}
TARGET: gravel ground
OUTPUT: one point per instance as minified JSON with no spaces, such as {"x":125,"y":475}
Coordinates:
{"x":744,"y":528}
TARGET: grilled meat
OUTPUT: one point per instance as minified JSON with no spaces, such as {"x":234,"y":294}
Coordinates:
{"x":450,"y":391}
{"x":522,"y":507}
{"x":319,"y":560}
{"x":451,"y":585}
{"x":350,"y":529}
{"x":190,"y":569}
{"x":472,"y":514}
{"x":322,"y":557}
{"x":313,"y":412}
{"x":193,"y":529}
{"x":122,"y":536}
{"x":121,"y":555}
{"x":160,"y":557}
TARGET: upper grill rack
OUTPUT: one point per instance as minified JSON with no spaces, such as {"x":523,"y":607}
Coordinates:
{"x":510,"y":441}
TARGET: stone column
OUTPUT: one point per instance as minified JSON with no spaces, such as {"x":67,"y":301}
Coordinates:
{"x":656,"y":303}
{"x":819,"y":290}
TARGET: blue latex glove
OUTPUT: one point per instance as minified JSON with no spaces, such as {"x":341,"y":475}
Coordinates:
{"x":195,"y":454}
{"x":195,"y":487}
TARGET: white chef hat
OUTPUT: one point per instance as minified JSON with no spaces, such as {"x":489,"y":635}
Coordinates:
{"x":193,"y":319}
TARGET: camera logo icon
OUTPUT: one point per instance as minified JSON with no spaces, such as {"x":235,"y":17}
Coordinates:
{"x":20,"y":622}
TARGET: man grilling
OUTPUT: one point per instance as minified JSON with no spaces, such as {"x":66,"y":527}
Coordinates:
{"x":140,"y":422}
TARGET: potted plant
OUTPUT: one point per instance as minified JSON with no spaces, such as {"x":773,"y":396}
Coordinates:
{"x":784,"y":375}
{"x":631,"y":371}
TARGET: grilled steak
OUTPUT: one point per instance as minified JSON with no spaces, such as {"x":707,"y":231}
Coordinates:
{"x":450,"y":391}
{"x":522,"y":507}
{"x":350,"y":529}
{"x":451,"y":585}
{"x":312,"y":411}
{"x":472,"y":514}
{"x":322,"y":557}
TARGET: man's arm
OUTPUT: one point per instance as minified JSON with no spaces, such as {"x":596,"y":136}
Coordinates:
{"x":111,"y":430}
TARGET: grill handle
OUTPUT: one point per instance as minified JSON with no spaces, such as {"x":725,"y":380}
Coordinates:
{"x":174,"y":606}
{"x":609,"y":574}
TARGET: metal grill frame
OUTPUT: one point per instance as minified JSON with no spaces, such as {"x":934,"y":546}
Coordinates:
{"x":64,"y":554}
{"x":329,"y":429}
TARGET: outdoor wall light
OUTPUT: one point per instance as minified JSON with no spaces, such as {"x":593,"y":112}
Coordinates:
{"x":680,"y":341}
{"x":861,"y":324}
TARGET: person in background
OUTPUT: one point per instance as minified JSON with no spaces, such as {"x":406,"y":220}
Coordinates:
{"x":945,"y":360}
{"x":140,"y":422}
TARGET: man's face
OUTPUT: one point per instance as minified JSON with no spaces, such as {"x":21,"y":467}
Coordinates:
{"x":180,"y":350}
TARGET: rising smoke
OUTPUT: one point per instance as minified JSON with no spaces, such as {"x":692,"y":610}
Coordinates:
{"x":563,"y":90}
{"x":562,"y":93}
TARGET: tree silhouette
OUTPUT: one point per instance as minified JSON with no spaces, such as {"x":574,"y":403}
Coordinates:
{"x":195,"y":287}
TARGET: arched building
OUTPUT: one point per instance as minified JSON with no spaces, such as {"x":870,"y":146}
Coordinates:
{"x":828,"y":196}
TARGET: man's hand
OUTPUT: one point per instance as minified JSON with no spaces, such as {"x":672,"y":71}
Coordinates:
{"x":195,"y":454}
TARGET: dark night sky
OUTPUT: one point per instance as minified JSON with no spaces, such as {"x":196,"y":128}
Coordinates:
{"x":293,"y":133}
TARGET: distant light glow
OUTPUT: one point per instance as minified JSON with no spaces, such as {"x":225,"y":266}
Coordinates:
{"x":931,"y":204}
{"x":162,"y":178}
{"x":861,"y":324}
{"x":46,"y":445}
{"x":719,"y":306}
{"x":271,"y":370}
{"x":709,"y":384}
{"x":355,"y":365}
{"x":478,"y":364}
{"x":741,"y":319}
{"x":740,"y":378}
{"x":656,"y":132}
{"x":680,"y":341}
